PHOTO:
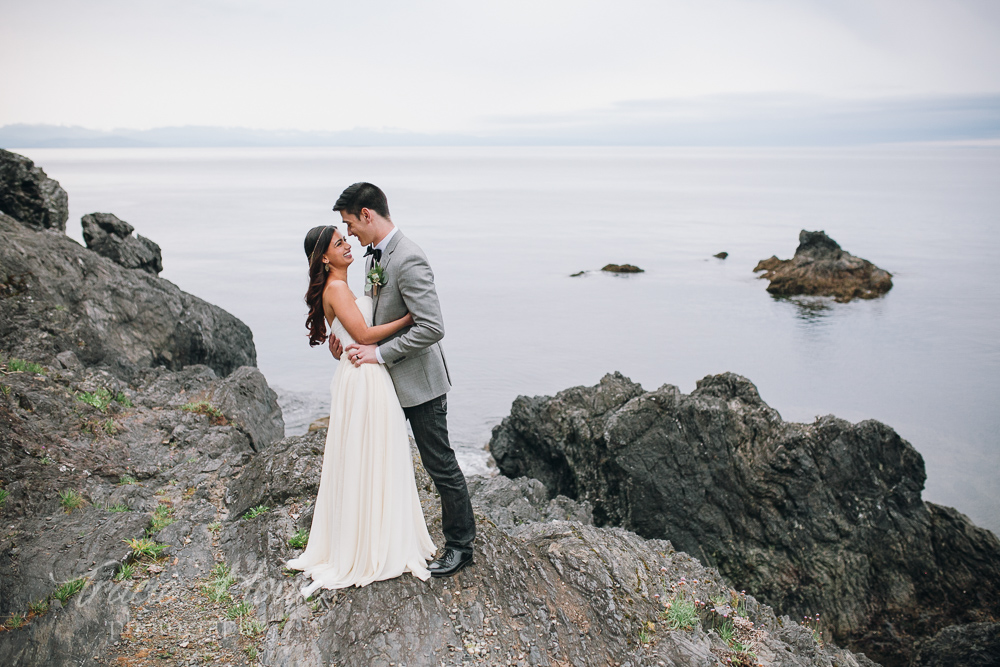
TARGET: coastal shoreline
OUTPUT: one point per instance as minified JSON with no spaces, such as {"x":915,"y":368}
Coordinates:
{"x":148,"y":484}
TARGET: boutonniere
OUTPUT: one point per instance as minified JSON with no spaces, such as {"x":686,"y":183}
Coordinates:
{"x":375,"y":278}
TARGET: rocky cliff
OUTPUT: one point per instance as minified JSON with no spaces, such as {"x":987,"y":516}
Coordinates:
{"x":57,"y":296}
{"x":148,"y":504}
{"x":823,"y":518}
{"x":103,"y":307}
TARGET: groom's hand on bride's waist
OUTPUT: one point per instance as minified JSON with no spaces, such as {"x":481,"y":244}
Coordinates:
{"x":336,"y":349}
{"x":361,"y":354}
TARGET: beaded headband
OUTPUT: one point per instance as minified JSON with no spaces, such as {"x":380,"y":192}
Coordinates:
{"x":312,"y":255}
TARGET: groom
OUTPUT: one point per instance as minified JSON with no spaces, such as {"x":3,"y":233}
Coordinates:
{"x":413,"y":357}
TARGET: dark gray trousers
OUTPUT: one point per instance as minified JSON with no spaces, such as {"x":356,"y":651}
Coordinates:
{"x":429,"y":422}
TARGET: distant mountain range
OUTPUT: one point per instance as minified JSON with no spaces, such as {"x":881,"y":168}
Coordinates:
{"x":58,"y":136}
{"x":732,"y":120}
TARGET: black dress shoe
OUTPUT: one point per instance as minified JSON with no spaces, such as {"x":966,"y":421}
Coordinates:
{"x":450,"y":562}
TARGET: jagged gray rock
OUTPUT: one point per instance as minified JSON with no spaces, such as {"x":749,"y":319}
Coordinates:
{"x":248,"y":402}
{"x":56,"y":296}
{"x":972,"y":645}
{"x":107,"y":235}
{"x":291,"y":468}
{"x":243,"y":397}
{"x":511,"y":503}
{"x":29,"y":196}
{"x":813,"y":518}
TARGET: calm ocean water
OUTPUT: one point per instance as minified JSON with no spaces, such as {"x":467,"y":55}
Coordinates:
{"x":504,"y":228}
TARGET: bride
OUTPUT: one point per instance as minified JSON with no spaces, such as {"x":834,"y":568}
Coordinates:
{"x":368,"y":524}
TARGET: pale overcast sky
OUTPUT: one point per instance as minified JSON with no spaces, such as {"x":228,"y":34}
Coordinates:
{"x":461,"y":66}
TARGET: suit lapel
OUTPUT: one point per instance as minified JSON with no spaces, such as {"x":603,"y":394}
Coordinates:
{"x":384,"y":262}
{"x":368,"y":268}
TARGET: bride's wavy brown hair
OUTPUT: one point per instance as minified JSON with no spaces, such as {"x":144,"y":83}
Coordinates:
{"x":317,"y":241}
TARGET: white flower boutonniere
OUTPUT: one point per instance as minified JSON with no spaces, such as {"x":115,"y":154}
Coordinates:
{"x":375,"y":278}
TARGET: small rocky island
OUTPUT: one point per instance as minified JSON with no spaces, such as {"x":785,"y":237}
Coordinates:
{"x":149,"y":498}
{"x":621,"y":268}
{"x":615,"y":269}
{"x":821,"y":268}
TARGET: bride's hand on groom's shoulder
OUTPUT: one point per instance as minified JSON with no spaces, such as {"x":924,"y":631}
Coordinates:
{"x":336,"y":349}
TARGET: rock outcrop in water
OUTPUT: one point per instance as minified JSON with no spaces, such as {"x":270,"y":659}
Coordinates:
{"x":615,"y":269}
{"x":30,"y":196}
{"x":821,"y":268}
{"x":622,"y":268}
{"x":813,"y":518}
{"x":107,"y":235}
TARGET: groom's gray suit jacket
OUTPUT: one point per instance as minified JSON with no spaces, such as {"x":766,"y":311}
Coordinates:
{"x":413,"y":354}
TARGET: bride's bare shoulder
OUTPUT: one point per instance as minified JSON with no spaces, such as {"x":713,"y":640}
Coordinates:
{"x":337,"y":293}
{"x":336,"y":286}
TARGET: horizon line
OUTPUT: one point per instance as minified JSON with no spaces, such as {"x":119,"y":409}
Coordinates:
{"x":743,"y":120}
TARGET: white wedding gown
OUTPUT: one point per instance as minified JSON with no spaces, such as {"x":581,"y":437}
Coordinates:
{"x":368,"y":524}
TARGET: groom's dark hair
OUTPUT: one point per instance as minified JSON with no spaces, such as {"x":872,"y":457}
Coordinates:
{"x":362,"y":195}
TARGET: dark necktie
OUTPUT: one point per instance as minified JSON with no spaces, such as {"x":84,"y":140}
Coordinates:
{"x":374,"y":251}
